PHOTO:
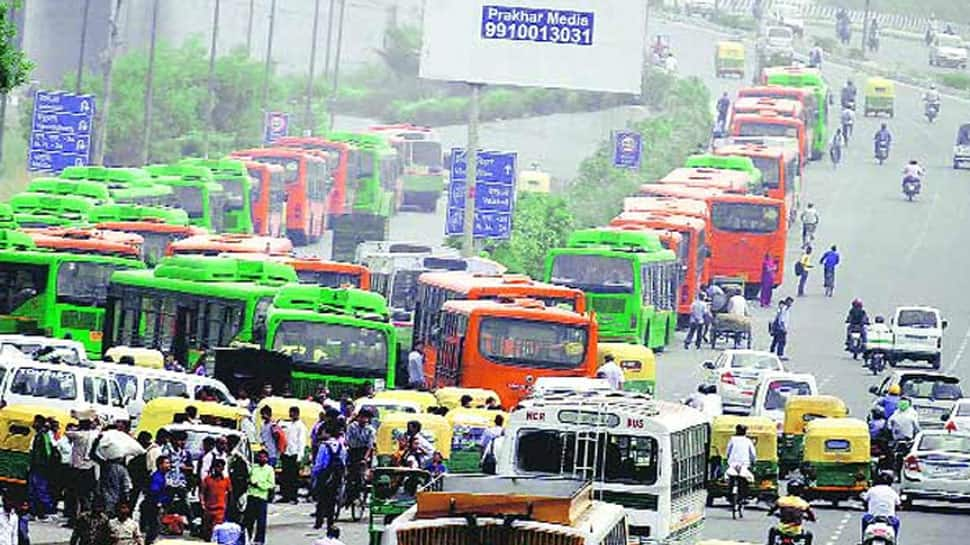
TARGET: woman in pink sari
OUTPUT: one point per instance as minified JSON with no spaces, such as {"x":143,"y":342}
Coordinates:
{"x":768,"y":269}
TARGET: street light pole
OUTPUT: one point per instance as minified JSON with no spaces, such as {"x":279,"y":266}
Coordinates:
{"x":471,"y":172}
{"x":269,"y":56}
{"x":149,"y":88}
{"x":211,"y":87}
{"x":80,"y":50}
{"x":865,"y":29}
{"x":308,"y":109}
{"x":336,"y":61}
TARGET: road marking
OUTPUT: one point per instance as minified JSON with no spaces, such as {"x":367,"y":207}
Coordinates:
{"x":960,"y":351}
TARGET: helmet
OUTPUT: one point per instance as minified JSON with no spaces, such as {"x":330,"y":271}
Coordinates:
{"x":878,"y":413}
{"x":857,"y":303}
{"x":885,"y":477}
{"x":895,"y":390}
{"x":880,"y":320}
{"x":795,"y":487}
{"x":933,"y":87}
{"x":913,"y":162}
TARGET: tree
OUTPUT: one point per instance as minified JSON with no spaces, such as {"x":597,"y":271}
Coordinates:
{"x":15,"y":67}
{"x":541,"y":222}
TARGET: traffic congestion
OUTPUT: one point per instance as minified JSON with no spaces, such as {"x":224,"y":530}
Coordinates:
{"x":763,"y":344}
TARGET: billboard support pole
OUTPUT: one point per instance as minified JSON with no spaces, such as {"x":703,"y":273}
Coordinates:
{"x":471,"y":177}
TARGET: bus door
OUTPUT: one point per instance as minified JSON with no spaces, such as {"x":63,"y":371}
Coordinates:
{"x":451,"y":341}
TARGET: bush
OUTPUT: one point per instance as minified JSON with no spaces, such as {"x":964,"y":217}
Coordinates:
{"x":825,"y":42}
{"x":955,"y":80}
{"x":541,"y":222}
{"x":740,"y":22}
{"x":855,"y":53}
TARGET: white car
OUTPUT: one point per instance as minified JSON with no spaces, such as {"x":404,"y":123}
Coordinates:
{"x":937,"y":468}
{"x":736,"y":374}
{"x":774,"y":390}
{"x":917,"y":335}
{"x":932,"y":394}
{"x":958,"y":419}
{"x":703,"y":7}
{"x":948,"y":50}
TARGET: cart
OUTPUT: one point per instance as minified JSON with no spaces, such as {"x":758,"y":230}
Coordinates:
{"x":731,"y":327}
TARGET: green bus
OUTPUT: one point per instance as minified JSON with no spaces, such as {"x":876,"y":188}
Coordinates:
{"x":7,"y":219}
{"x":197,"y":193}
{"x":125,"y":185}
{"x":115,"y":212}
{"x":233,"y":176}
{"x":340,"y":338}
{"x":188,"y":305}
{"x":79,"y":188}
{"x":377,"y":192}
{"x":44,"y":210}
{"x":810,"y":78}
{"x":729,"y":162}
{"x":631,"y":282}
{"x":55,"y":294}
{"x":420,"y":150}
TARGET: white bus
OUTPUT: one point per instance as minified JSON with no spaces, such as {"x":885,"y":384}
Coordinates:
{"x":646,"y":455}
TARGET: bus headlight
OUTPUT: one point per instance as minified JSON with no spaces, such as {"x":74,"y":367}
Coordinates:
{"x":379,"y":385}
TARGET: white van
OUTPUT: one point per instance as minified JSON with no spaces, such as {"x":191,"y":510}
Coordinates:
{"x":773,"y":392}
{"x":139,"y":385}
{"x":66,"y":387}
{"x":917,"y":335}
{"x":33,"y":345}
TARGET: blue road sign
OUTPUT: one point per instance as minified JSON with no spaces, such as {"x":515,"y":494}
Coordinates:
{"x":494,"y":194}
{"x":61,"y":130}
{"x":627,"y":149}
{"x":554,"y":26}
{"x":276,"y":125}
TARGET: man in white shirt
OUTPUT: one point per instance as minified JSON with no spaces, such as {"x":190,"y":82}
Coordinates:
{"x":416,"y":367}
{"x":706,"y":400}
{"x":904,"y":423}
{"x":611,"y":372}
{"x":296,"y":434}
{"x":670,"y":63}
{"x":737,"y":305}
{"x":741,"y":456}
{"x":220,"y":452}
{"x":9,"y":523}
{"x":881,"y":501}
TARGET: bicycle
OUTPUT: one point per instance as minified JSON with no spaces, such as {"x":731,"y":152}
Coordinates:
{"x":354,"y":494}
{"x":736,"y":496}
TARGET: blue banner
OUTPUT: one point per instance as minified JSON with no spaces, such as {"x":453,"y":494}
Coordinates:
{"x":61,"y":128}
{"x":627,"y":149}
{"x":553,"y":26}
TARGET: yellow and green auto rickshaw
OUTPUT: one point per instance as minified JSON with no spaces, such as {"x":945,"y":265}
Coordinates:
{"x":424,"y":400}
{"x":637,"y":361}
{"x":141,"y":357}
{"x":450,"y":396}
{"x":163,"y":411}
{"x":837,"y":462}
{"x":880,"y":97}
{"x":16,"y":436}
{"x":729,"y":59}
{"x":467,"y":428}
{"x":799,"y":411}
{"x":764,"y":433}
{"x":394,"y":426}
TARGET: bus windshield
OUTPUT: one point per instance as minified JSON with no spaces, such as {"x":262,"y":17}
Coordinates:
{"x":769,"y":171}
{"x":154,"y":246}
{"x":528,"y":343}
{"x":426,"y":153}
{"x":329,"y":279}
{"x":404,"y":289}
{"x":190,"y":200}
{"x":626,"y":459}
{"x":740,"y":217}
{"x":334,"y":347}
{"x":83,"y":283}
{"x":752,"y":128}
{"x":593,"y":273}
{"x":291,"y":167}
{"x":234,"y":193}
{"x":19,"y":283}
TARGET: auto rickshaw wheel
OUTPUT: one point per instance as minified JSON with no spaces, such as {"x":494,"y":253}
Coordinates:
{"x":835,"y":503}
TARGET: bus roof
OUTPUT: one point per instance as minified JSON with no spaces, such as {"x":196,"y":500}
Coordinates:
{"x":666,"y":205}
{"x":215,"y":244}
{"x":96,"y":191}
{"x":209,"y":271}
{"x":362,"y":140}
{"x":798,"y":93}
{"x":350,"y":302}
{"x":105,"y":174}
{"x":149,"y":226}
{"x":137,"y":212}
{"x":11,"y":239}
{"x":615,"y":240}
{"x":618,"y":410}
{"x":223,"y":167}
{"x":767,"y":117}
{"x":7,"y":220}
{"x":794,"y":76}
{"x":184,"y":171}
{"x":315,"y":142}
{"x":759,"y":104}
{"x":678,"y":190}
{"x":513,"y":286}
{"x":81,"y":240}
{"x":47,"y":257}
{"x":674,"y":222}
{"x":731,"y":181}
{"x":756,"y":150}
{"x":528,"y":309}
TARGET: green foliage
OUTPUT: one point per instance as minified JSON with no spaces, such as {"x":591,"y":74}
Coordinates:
{"x":14,"y":65}
{"x":827,"y":43}
{"x":732,"y":20}
{"x":541,"y":222}
{"x":947,"y":10}
{"x":956,"y":80}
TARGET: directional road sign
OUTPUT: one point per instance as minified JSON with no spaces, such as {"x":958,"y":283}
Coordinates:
{"x":61,"y":130}
{"x":494,"y":194}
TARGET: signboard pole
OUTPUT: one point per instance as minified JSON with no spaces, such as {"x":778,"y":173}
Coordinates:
{"x":471,"y":178}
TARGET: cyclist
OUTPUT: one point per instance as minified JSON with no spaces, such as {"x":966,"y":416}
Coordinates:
{"x":741,"y":456}
{"x":360,"y":439}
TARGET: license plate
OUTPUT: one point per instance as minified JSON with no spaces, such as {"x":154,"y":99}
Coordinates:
{"x":949,"y":473}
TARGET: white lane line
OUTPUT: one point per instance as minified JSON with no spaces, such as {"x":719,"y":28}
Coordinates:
{"x":960,"y":351}
{"x":924,"y":229}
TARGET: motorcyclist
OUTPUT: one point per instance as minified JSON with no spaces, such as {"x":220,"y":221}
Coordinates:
{"x":879,"y":435}
{"x":932,"y":98}
{"x":792,"y":511}
{"x":848,"y":122}
{"x":857,"y":320}
{"x":849,"y":92}
{"x":878,"y":335}
{"x":913,"y":172}
{"x":890,"y":401}
{"x":815,"y":57}
{"x":883,"y":136}
{"x":882,"y":501}
{"x":904,"y":423}
{"x":723,"y":107}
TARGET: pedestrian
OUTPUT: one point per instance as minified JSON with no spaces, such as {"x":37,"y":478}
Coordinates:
{"x":829,"y":261}
{"x":437,"y":465}
{"x":114,"y":484}
{"x":465,"y":401}
{"x":292,"y":456}
{"x":262,"y":483}
{"x":848,"y":122}
{"x":611,"y":372}
{"x":138,"y":468}
{"x":219,"y":451}
{"x":83,"y":476}
{"x":270,"y":435}
{"x":92,"y":527}
{"x":769,"y":267}
{"x":422,"y":448}
{"x":695,"y":325}
{"x":779,"y":327}
{"x":9,"y":521}
{"x":243,"y":401}
{"x":835,"y":147}
{"x":333,"y":538}
{"x":238,"y":472}
{"x":809,"y":220}
{"x":327,"y":476}
{"x":124,"y":529}
{"x":723,"y":106}
{"x":215,"y":495}
{"x":228,"y":533}
{"x":416,"y":367}
{"x":360,"y":439}
{"x":177,"y":478}
{"x":157,"y":499}
{"x":42,"y":458}
{"x":62,"y":461}
{"x":802,"y":267}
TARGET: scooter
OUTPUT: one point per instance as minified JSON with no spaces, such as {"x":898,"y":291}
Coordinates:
{"x":931,"y":111}
{"x":882,"y":152}
{"x":855,"y":342}
{"x":876,"y":362}
{"x":911,"y":188}
{"x":879,"y":532}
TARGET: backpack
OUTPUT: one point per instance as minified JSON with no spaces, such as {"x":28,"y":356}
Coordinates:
{"x":799,"y":268}
{"x":279,"y":437}
{"x":334,"y":472}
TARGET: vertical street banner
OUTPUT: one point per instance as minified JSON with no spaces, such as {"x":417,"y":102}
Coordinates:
{"x":627,"y":149}
{"x":276,"y":125}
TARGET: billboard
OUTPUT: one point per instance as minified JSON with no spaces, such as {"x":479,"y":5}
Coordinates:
{"x":593,"y":45}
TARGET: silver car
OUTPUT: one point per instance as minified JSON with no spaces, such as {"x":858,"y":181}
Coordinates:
{"x":736,"y":374}
{"x":937,"y":468}
{"x":932,"y":394}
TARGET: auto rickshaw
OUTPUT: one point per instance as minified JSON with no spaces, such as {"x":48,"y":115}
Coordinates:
{"x":394,"y":425}
{"x":379,"y":407}
{"x":450,"y":397}
{"x":394,"y":491}
{"x":162,"y":411}
{"x":424,"y":400}
{"x":880,"y":97}
{"x":534,"y":181}
{"x":637,"y":361}
{"x":16,"y":436}
{"x":799,"y":411}
{"x":961,"y":150}
{"x":764,"y":433}
{"x":467,"y":428}
{"x":837,"y":464}
{"x":729,"y":58}
{"x":142,"y":357}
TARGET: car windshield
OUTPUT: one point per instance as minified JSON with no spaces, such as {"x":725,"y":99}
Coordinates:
{"x":923,"y":319}
{"x":754,"y":128}
{"x":530,"y":343}
{"x":947,"y":40}
{"x":624,"y":459}
{"x":755,"y":361}
{"x":958,"y":444}
{"x":593,"y":273}
{"x":769,"y":171}
{"x":84,"y":283}
{"x":778,"y":33}
{"x":334,"y":348}
{"x":931,"y":387}
{"x":780,"y":390}
{"x":190,"y":200}
{"x":46,"y":383}
{"x":742,"y":217}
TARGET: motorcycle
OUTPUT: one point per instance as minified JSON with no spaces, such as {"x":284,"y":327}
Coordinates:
{"x":911,"y":187}
{"x":901,"y":450}
{"x":879,"y":532}
{"x":855,"y":341}
{"x":932,"y":110}
{"x":882,"y":152}
{"x":784,"y":534}
{"x":876,"y":362}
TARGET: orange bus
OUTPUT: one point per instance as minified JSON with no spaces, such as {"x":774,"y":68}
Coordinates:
{"x":307,"y":189}
{"x":230,"y":243}
{"x":667,"y":206}
{"x":781,"y":106}
{"x":692,"y":251}
{"x":79,"y":240}
{"x":781,"y":174}
{"x":268,"y":198}
{"x":770,"y":123}
{"x":343,"y":168}
{"x":729,"y":181}
{"x":504,"y":347}
{"x":156,"y":235}
{"x":316,"y":271}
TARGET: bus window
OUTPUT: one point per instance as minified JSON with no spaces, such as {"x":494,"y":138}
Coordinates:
{"x":329,"y":279}
{"x":627,"y":459}
{"x":449,"y":343}
{"x":334,"y":347}
{"x":156,"y":387}
{"x":83,"y":283}
{"x":688,"y":452}
{"x":791,"y":172}
{"x":234,"y":193}
{"x":745,"y":217}
{"x":528,"y":343}
{"x":770,"y":175}
{"x":404,"y":290}
{"x":46,"y":383}
{"x":593,"y":273}
{"x":20,"y":283}
{"x":366,"y":165}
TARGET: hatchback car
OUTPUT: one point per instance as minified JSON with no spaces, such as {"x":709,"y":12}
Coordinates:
{"x":937,"y":468}
{"x":932,"y":394}
{"x":736,"y":373}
